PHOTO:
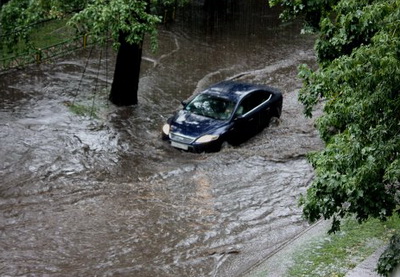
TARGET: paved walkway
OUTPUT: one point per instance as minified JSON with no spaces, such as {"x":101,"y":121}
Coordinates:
{"x":367,"y":267}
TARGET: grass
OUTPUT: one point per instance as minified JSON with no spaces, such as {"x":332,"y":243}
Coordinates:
{"x":83,"y":110}
{"x":334,"y":255}
{"x":51,"y":33}
{"x":89,"y":105}
{"x":43,"y":35}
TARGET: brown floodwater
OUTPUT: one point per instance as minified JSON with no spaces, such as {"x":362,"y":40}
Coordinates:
{"x":100,"y":194}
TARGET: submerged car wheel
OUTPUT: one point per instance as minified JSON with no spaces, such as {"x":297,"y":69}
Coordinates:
{"x":224,"y":145}
{"x":278,"y":112}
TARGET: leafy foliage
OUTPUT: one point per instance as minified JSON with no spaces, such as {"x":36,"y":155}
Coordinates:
{"x":358,"y":80}
{"x":130,"y":17}
{"x":312,"y":10}
{"x":100,"y":18}
{"x":390,"y":258}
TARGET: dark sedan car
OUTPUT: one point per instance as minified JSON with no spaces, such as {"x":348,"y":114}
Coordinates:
{"x":225,"y":112}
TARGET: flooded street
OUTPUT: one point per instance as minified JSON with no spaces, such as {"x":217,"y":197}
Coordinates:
{"x":102,"y":195}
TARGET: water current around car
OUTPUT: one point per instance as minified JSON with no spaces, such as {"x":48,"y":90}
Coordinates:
{"x":102,"y":195}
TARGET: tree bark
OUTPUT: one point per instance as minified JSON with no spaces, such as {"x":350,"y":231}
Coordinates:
{"x":124,"y":89}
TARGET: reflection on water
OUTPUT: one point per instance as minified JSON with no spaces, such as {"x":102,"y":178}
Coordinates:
{"x":86,"y":196}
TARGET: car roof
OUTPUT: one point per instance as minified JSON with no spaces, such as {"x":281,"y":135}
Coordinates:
{"x":234,"y":90}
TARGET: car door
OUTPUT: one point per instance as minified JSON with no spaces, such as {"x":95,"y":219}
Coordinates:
{"x":264,"y":108}
{"x":247,"y":116}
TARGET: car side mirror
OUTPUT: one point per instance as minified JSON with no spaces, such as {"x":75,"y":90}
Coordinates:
{"x":184,"y":103}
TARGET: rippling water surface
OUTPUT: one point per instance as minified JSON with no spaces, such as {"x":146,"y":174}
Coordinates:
{"x":102,"y":195}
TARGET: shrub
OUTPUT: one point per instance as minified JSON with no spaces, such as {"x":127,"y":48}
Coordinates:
{"x":390,"y":258}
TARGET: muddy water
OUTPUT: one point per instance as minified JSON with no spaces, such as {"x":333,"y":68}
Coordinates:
{"x":102,"y":195}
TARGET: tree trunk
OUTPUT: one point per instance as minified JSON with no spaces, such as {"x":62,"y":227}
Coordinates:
{"x":124,"y":89}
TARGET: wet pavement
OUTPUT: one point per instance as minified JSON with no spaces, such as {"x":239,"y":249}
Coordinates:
{"x":102,"y":195}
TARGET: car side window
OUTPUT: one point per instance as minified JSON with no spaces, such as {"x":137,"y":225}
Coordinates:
{"x":252,"y":101}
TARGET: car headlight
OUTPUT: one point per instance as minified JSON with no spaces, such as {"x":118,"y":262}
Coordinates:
{"x":207,"y":138}
{"x":166,"y":128}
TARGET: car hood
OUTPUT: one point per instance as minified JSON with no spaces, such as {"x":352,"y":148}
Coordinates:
{"x":192,"y":125}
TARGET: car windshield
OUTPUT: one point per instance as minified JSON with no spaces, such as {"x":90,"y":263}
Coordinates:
{"x":211,"y":106}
